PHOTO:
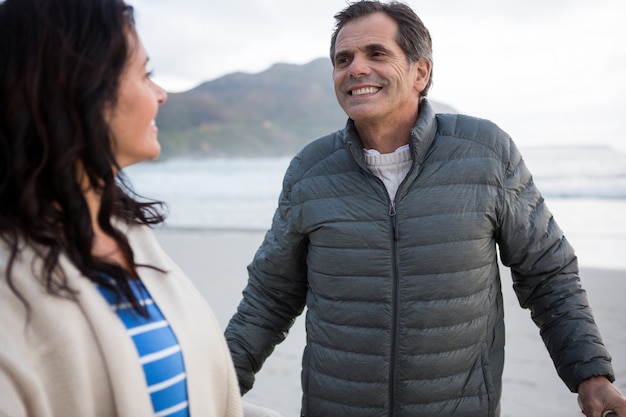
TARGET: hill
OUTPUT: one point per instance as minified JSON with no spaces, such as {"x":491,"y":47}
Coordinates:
{"x":272,"y":113}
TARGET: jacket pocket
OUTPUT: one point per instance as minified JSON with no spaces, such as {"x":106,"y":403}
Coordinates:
{"x":490,"y":386}
{"x":304,"y":411}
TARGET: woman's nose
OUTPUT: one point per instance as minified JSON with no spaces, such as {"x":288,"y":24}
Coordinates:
{"x":161,"y":95}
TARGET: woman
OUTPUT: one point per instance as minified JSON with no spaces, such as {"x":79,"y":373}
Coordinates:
{"x":96,"y":319}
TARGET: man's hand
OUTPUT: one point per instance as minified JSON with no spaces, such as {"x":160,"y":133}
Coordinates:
{"x":598,"y":395}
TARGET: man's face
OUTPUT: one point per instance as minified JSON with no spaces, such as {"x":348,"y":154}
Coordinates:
{"x":374,"y":81}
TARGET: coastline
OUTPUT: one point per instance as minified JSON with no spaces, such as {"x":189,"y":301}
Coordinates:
{"x":216,"y":261}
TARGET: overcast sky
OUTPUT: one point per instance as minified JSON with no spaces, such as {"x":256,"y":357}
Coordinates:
{"x":546,"y":71}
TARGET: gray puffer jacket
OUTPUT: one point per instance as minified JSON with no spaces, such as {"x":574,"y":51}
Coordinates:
{"x":404,"y":305}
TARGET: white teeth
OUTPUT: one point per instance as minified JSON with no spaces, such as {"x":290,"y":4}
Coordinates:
{"x":365,"y":90}
{"x":152,"y":123}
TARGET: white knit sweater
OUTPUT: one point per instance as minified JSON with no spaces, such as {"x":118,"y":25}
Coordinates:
{"x":391,"y":168}
{"x":75,"y":358}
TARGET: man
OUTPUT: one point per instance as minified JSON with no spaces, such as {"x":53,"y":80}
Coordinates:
{"x":388,"y":231}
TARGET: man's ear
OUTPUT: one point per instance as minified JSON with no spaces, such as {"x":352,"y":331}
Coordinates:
{"x":422,"y":74}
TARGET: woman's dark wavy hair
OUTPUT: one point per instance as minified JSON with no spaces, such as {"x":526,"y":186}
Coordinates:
{"x":413,"y":37}
{"x":60,"y":66}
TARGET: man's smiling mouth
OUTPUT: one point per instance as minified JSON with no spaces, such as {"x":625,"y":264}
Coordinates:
{"x":364,"y":90}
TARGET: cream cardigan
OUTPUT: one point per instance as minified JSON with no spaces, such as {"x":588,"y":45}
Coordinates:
{"x":74,"y":358}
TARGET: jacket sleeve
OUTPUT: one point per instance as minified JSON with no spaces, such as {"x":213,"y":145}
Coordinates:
{"x":275,"y":294}
{"x":545,"y":277}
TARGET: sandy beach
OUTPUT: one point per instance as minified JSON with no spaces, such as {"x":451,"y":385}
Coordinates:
{"x":216,"y":261}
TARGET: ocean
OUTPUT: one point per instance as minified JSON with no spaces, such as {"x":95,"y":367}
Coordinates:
{"x":584,"y":186}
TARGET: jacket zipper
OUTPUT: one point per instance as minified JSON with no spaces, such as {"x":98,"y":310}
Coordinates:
{"x":394,"y":306}
{"x":396,"y":277}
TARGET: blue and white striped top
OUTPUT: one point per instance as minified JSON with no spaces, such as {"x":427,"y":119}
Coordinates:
{"x":158,"y":350}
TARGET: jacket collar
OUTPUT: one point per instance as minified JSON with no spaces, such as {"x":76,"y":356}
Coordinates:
{"x":421,"y":136}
